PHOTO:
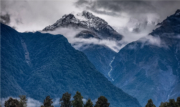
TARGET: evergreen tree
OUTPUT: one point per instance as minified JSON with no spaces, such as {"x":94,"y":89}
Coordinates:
{"x":65,"y":100}
{"x":178,"y":102}
{"x":11,"y":103}
{"x":172,"y":103}
{"x":150,"y":103}
{"x":77,"y":102}
{"x":47,"y":102}
{"x":88,"y":103}
{"x":102,"y":102}
{"x":164,"y":104}
{"x":23,"y":101}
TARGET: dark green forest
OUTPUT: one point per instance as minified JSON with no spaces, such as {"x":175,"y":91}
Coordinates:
{"x":65,"y":101}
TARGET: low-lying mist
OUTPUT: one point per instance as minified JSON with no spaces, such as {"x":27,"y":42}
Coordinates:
{"x":128,"y":37}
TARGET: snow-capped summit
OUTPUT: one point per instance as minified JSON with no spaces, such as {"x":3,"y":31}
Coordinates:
{"x":65,"y":21}
{"x":88,"y":15}
{"x":89,"y":22}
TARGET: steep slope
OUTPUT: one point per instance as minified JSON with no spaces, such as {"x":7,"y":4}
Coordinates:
{"x":146,"y":70}
{"x":13,"y":63}
{"x":100,"y":56}
{"x":38,"y":65}
{"x":91,"y":27}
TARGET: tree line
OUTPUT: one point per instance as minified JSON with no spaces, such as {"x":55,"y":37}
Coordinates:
{"x":171,"y":103}
{"x":66,"y":101}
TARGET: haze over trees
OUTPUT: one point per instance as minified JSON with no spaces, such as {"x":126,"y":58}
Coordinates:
{"x":77,"y":101}
{"x":23,"y":101}
{"x":171,"y":103}
{"x":65,"y":101}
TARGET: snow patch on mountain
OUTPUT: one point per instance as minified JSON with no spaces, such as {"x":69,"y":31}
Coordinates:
{"x":109,"y":73}
{"x":87,"y":21}
{"x":84,"y":20}
{"x":81,"y":17}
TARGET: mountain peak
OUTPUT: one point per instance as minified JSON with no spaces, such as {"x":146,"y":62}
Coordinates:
{"x":177,"y":13}
{"x":69,"y":16}
{"x":88,"y":21}
{"x":170,"y":25}
{"x":87,"y":15}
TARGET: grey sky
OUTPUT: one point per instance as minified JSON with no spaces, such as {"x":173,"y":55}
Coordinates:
{"x":133,"y":19}
{"x":28,"y":15}
{"x":131,"y":15}
{"x":133,"y":7}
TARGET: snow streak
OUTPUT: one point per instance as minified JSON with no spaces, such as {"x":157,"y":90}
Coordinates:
{"x":109,"y":73}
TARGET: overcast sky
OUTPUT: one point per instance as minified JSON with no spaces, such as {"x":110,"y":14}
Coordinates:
{"x":134,"y":19}
{"x":32,"y":15}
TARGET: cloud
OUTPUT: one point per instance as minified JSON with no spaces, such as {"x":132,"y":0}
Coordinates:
{"x":30,"y":15}
{"x":56,"y":102}
{"x":5,"y":18}
{"x":133,"y":19}
{"x":115,"y":7}
{"x":154,"y":10}
{"x":33,"y":103}
{"x":116,"y":46}
{"x":132,"y":7}
{"x":84,"y":100}
{"x":93,"y":101}
{"x":148,"y":40}
{"x":151,"y":40}
{"x":133,"y":32}
{"x":81,"y":43}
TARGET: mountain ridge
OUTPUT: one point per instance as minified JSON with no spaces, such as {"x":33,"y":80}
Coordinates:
{"x":93,"y":27}
{"x":90,"y":23}
{"x":56,"y":67}
{"x":148,"y":71}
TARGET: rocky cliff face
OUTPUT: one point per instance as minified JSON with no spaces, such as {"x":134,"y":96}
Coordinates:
{"x":149,"y":71}
{"x":37,"y":65}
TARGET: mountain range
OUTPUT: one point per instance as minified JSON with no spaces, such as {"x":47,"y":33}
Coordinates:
{"x":37,"y":64}
{"x":93,"y":27}
{"x":147,"y":68}
{"x":40,"y":64}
